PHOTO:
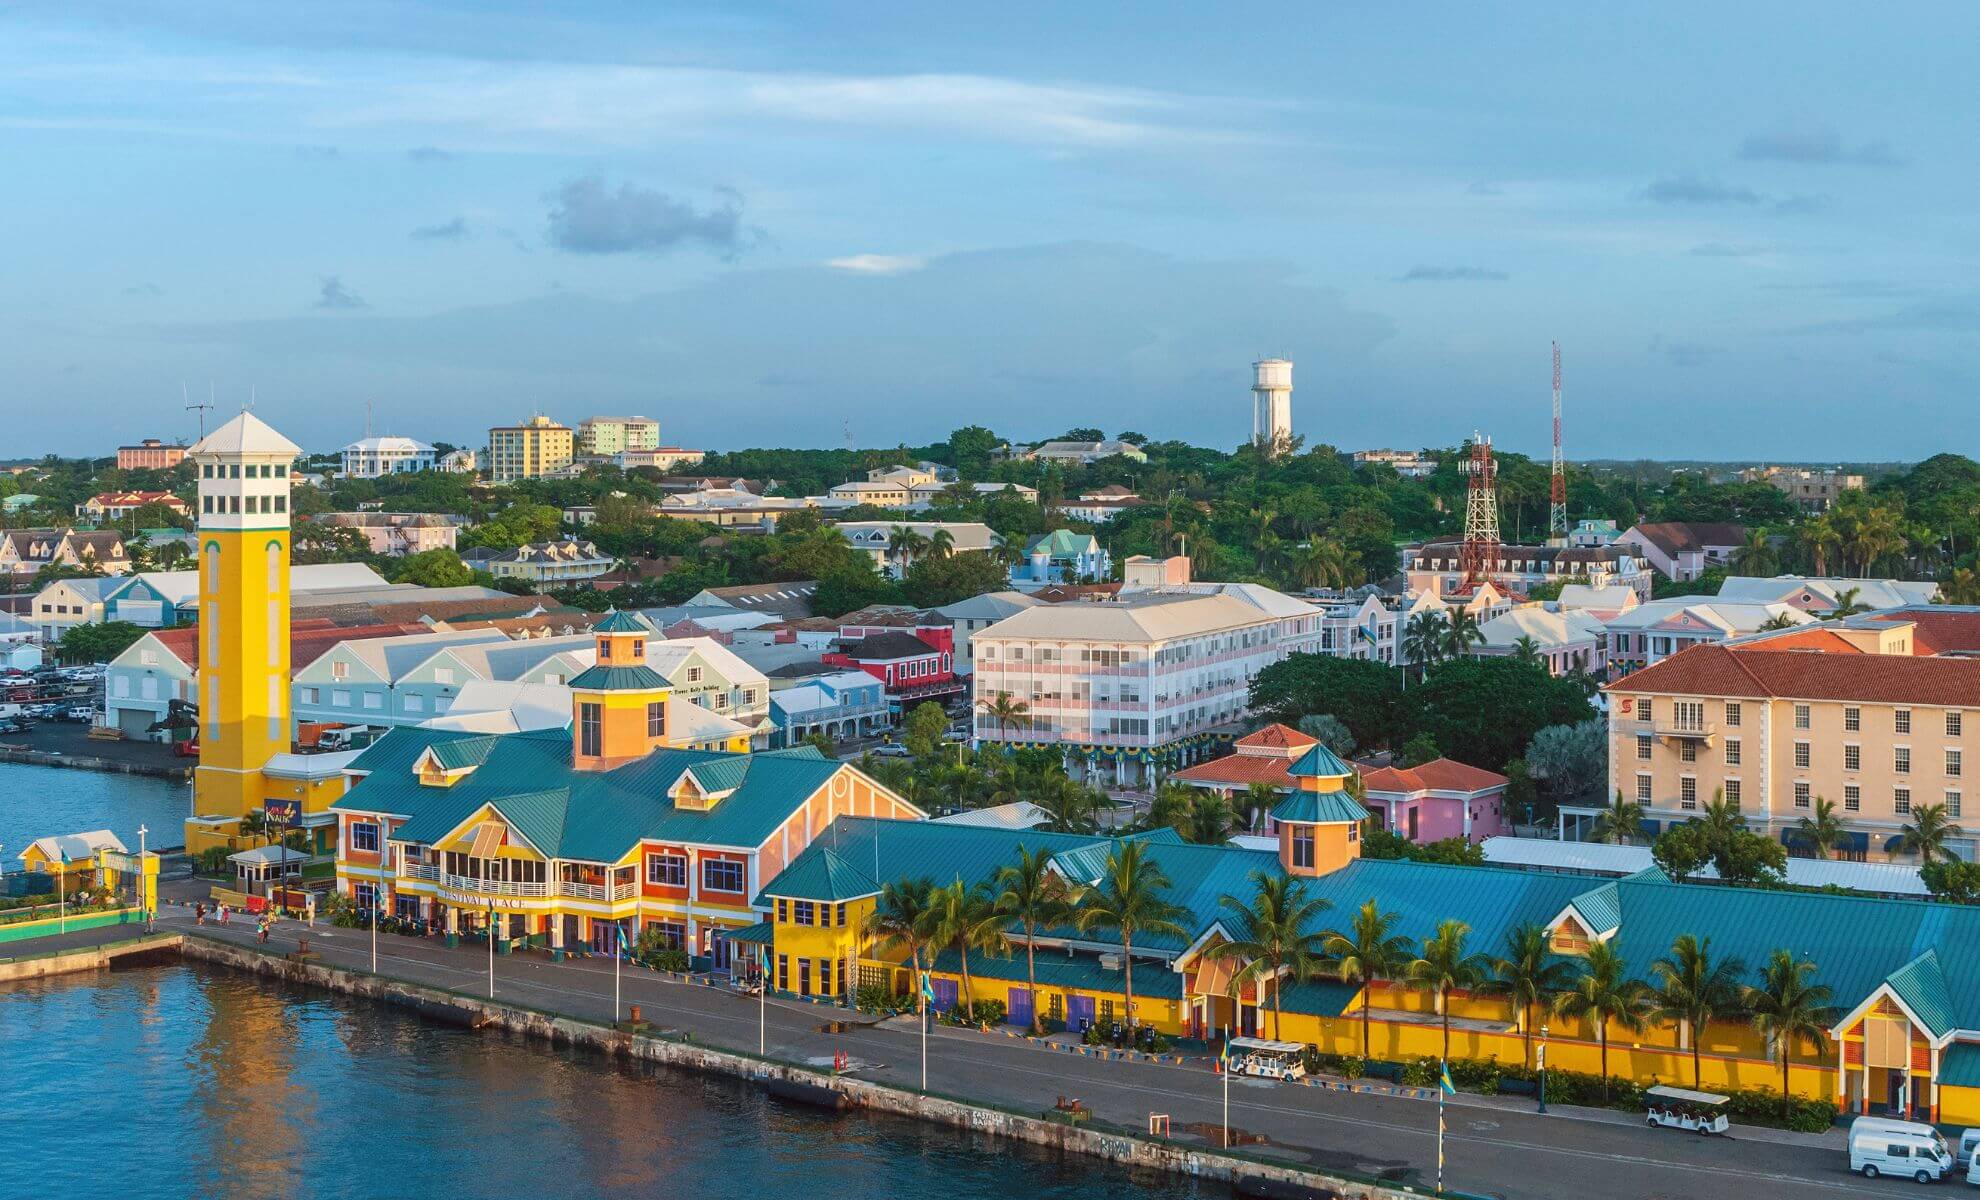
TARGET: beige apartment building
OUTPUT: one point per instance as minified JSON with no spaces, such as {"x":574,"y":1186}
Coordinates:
{"x":605,"y":437}
{"x":1874,"y":713}
{"x":530,"y":450}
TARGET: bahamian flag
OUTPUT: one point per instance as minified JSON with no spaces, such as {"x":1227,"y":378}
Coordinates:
{"x":1367,"y":631}
{"x":1224,"y":1056}
{"x":927,"y":990}
{"x":624,"y":950}
{"x":763,"y":956}
{"x":1444,"y":1081}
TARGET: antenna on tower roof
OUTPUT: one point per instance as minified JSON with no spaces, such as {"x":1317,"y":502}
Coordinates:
{"x":185,"y":395}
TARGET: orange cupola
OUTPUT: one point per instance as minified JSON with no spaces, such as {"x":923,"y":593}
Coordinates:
{"x":619,"y":705}
{"x":1320,"y":823}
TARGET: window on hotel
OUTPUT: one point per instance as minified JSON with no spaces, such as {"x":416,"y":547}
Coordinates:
{"x":722,"y":875}
{"x":1852,"y":719}
{"x":1645,"y":708}
{"x":803,"y":912}
{"x":656,"y":720}
{"x":1688,"y":792}
{"x":666,"y":870}
{"x":1732,"y":792}
{"x":1953,"y":763}
{"x":1302,"y":846}
{"x":1732,"y":752}
{"x":364,"y":836}
{"x":1688,"y":751}
{"x":1852,"y":797}
{"x":1801,"y":798}
{"x":1732,"y":712}
{"x":1852,"y":758}
{"x":1901,"y":801}
{"x":1801,"y":716}
{"x":1643,"y":789}
{"x":1801,"y":755}
{"x":1901,"y":720}
{"x":1643,"y":747}
{"x":591,"y":734}
{"x":1901,"y":760}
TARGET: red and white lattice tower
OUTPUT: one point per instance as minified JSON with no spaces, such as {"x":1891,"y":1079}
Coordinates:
{"x":1557,"y":522}
{"x":1478,"y":556}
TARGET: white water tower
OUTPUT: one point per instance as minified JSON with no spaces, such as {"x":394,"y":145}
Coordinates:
{"x":1271,"y":401}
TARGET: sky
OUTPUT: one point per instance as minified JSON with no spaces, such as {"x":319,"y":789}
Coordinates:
{"x":1749,"y":226}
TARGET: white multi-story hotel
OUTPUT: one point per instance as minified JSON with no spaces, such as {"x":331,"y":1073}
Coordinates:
{"x":371,"y":457}
{"x":1154,"y":678}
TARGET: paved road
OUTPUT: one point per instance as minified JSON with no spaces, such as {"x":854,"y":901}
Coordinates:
{"x":1495,"y":1147}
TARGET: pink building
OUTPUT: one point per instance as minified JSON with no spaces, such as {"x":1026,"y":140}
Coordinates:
{"x":398,"y":534}
{"x":1437,"y":800}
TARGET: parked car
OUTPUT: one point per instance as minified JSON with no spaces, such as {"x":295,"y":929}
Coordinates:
{"x":892,"y":750}
{"x":1903,"y":1149}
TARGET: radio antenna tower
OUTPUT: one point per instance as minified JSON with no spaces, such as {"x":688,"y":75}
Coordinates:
{"x":201,"y":409}
{"x":1479,"y":553}
{"x":1557,"y":523}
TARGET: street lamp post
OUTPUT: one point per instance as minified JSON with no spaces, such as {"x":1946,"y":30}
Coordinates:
{"x":142,"y":906}
{"x":1543,"y":1066}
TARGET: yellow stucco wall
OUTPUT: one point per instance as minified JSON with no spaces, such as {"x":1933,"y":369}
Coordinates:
{"x":243,"y":649}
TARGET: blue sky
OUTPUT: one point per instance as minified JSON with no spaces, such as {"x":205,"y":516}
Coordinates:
{"x":1749,"y":226}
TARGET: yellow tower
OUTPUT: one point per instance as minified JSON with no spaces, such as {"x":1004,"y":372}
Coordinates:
{"x":619,"y":706}
{"x":243,"y":470}
{"x":1319,"y":824}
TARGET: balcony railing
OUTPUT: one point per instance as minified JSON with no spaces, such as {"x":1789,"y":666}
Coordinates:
{"x":598,"y":891}
{"x":1685,"y":729}
{"x":426,"y":871}
{"x":493,"y":887}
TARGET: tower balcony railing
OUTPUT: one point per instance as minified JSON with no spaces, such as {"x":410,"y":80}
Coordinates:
{"x":598,"y":891}
{"x":425,"y":871}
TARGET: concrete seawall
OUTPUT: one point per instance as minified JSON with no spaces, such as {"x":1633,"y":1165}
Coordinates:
{"x":1111,"y":1146}
{"x":85,"y":958}
{"x":89,"y":762}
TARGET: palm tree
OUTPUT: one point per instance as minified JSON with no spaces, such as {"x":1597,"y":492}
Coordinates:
{"x":1927,"y":834}
{"x":1528,"y":974}
{"x":1209,"y":819}
{"x":1462,"y":635}
{"x":1032,"y":894}
{"x":941,"y":544}
{"x":1423,"y":639}
{"x":1822,"y":832}
{"x":1789,"y":1009}
{"x":1847,"y":605}
{"x":1721,"y":818}
{"x":1525,"y":651}
{"x":901,"y":920}
{"x":1780,"y":621}
{"x":966,"y":918}
{"x":1961,"y":587}
{"x":1444,"y":967}
{"x":1815,"y":538}
{"x":1322,"y":562}
{"x":1008,"y":711}
{"x":1258,"y":799}
{"x":1270,"y":934}
{"x":1756,"y":556}
{"x":1071,"y":805}
{"x":1603,"y":994}
{"x":1621,"y":823}
{"x":1690,"y":989}
{"x":1129,"y":900}
{"x":1366,"y":954}
{"x":904,"y":542}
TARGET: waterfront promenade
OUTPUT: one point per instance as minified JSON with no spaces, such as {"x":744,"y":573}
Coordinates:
{"x":1496,"y":1146}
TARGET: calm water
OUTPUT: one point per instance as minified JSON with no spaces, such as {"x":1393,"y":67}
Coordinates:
{"x":39,"y":801}
{"x":183,"y":1080}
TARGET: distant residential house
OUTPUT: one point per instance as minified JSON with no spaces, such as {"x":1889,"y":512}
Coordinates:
{"x":392,"y":681}
{"x":1605,"y":603}
{"x":841,"y":705}
{"x":1813,"y":490}
{"x":1651,"y":632}
{"x":398,"y":534}
{"x":1593,"y":534}
{"x":151,"y":454}
{"x":980,"y":612}
{"x":787,"y":601}
{"x":881,"y":495}
{"x":1410,"y":464}
{"x":162,"y":599}
{"x":937,"y":492}
{"x":18,"y":502}
{"x":919,"y":475}
{"x":1061,"y":556}
{"x":738,"y":507}
{"x":25,"y":551}
{"x":115,"y":506}
{"x":1265,"y":756}
{"x":662,"y":459}
{"x":876,"y":539}
{"x":1437,"y":800}
{"x":1082,"y":453}
{"x":1822,"y":596}
{"x":1564,"y":641}
{"x":372,"y":457}
{"x":1101,"y":505}
{"x":459,"y":462}
{"x":67,"y":603}
{"x":551,"y":563}
{"x":1438,"y":567}
{"x":1683,"y":550}
{"x":914,"y":666}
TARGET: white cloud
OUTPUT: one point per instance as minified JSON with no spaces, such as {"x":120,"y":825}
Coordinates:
{"x":877,"y":264}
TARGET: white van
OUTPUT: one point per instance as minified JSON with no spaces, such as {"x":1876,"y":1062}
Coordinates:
{"x":1904,"y":1149}
{"x":1969,"y":1141}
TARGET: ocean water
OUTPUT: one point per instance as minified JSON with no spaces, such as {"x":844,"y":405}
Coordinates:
{"x":39,"y":801}
{"x":184,"y":1080}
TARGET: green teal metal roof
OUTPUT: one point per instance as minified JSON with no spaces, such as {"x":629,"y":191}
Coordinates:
{"x":1060,"y":543}
{"x":621,"y":622}
{"x":593,"y":816}
{"x":619,"y":679}
{"x":468,"y":752}
{"x":721,"y":774}
{"x":821,"y":876}
{"x":763,"y":933}
{"x":1318,"y":808}
{"x":1922,"y":987}
{"x":1959,"y":1065}
{"x":1600,"y":908}
{"x":1322,"y":763}
{"x":1317,"y":998}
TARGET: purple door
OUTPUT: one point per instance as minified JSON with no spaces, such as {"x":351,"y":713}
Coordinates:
{"x":1020,"y":1008}
{"x":1079,"y":1013}
{"x":945,"y":994}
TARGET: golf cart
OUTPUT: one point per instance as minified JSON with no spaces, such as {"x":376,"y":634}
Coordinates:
{"x":1266,"y":1059}
{"x":1681,"y":1108}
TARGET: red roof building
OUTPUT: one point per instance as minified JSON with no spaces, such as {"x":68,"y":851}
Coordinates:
{"x":1439,"y":799}
{"x":1261,"y":757}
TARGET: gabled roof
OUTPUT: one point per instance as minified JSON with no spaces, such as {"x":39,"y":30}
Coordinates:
{"x":1320,"y":763}
{"x":1678,"y":537}
{"x":1716,"y":670}
{"x":1922,"y":987}
{"x":1276,"y":737}
{"x":890,"y":646}
{"x":823,"y":876}
{"x":622,"y":622}
{"x":1438,"y":775}
{"x":245,"y":433}
{"x":619,"y":679}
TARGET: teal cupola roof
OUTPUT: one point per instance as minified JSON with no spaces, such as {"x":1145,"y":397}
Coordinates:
{"x":621,"y":622}
{"x":1318,"y":808}
{"x":1320,"y":763}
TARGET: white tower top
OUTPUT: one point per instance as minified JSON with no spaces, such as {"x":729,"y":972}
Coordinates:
{"x":244,"y":475}
{"x":1271,"y":402}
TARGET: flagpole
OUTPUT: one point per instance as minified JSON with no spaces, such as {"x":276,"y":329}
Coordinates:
{"x":491,"y":951}
{"x":618,"y":956}
{"x":763,"y":1002}
{"x":1443,"y":1086}
{"x":1227,"y":1099}
{"x":62,"y":892}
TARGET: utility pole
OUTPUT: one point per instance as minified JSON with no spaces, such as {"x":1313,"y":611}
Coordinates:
{"x":201,"y":409}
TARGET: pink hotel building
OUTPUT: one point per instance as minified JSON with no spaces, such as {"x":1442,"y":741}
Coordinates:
{"x":1153,"y":679}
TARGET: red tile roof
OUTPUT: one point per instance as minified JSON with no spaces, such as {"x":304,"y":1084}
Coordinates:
{"x":1238,"y":770}
{"x":1714,"y":670}
{"x":1276,"y":737}
{"x":1827,"y":641}
{"x":1939,"y":629}
{"x":1438,"y":775}
{"x":308,"y":640}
